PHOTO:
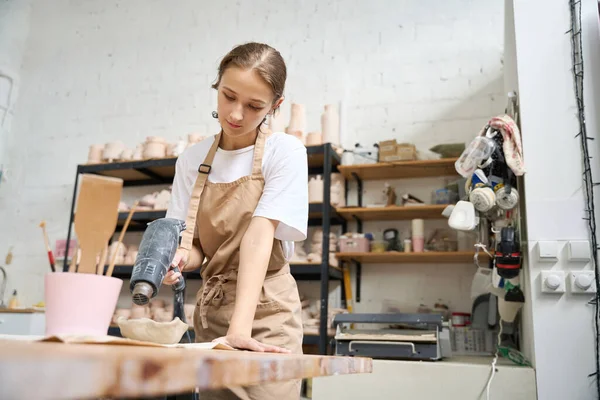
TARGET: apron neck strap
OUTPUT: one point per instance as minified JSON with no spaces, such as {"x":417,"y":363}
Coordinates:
{"x":259,"y":150}
{"x":203,"y":170}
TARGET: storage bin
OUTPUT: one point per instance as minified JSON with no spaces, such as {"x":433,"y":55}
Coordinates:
{"x":349,"y":245}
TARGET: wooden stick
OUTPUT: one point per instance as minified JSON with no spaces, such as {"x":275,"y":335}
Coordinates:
{"x":102,"y":262}
{"x":111,"y":267}
{"x":74,"y":259}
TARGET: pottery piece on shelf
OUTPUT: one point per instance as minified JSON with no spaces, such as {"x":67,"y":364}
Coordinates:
{"x":148,"y":200}
{"x":95,"y":154}
{"x":194,"y":138}
{"x":175,"y":149}
{"x":314,"y":139}
{"x":112,"y":151}
{"x":276,"y":123}
{"x":155,"y":147}
{"x":338,"y":190}
{"x":162,"y":200}
{"x":390,"y":194}
{"x":299,"y":253}
{"x":127,"y":155}
{"x":138,"y":153}
{"x":297,"y":120}
{"x":330,"y":125}
{"x":315,"y":189}
{"x":120,"y":249}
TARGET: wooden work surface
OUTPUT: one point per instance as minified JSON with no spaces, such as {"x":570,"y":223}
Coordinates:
{"x":44,"y":370}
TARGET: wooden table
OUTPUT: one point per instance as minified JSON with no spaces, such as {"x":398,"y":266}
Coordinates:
{"x":59,"y":370}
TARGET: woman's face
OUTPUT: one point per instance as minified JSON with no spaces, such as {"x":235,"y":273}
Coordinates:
{"x":244,"y":100}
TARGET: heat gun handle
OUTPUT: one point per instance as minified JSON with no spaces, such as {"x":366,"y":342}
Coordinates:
{"x":180,"y":285}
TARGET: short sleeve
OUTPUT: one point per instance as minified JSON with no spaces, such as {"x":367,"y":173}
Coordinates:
{"x":180,"y":192}
{"x":285,"y":195}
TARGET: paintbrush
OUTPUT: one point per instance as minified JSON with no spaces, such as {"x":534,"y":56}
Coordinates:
{"x":48,"y":249}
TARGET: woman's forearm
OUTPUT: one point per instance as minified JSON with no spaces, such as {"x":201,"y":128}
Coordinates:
{"x":255,"y":251}
{"x":195,"y":257}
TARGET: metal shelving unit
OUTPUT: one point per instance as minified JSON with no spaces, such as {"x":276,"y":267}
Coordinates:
{"x":322,"y":160}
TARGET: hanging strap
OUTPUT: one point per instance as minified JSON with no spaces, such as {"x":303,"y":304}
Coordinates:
{"x":203,"y":170}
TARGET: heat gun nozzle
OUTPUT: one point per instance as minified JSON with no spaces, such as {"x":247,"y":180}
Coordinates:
{"x":142,"y":293}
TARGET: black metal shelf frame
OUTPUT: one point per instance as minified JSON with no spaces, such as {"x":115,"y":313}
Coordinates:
{"x":322,"y":160}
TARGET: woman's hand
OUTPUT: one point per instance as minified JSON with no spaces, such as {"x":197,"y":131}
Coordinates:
{"x":180,"y":260}
{"x":247,"y":343}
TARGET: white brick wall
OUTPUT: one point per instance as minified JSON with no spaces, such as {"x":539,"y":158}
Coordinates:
{"x":96,"y":71}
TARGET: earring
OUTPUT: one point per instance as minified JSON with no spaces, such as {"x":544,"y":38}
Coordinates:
{"x":215,"y":115}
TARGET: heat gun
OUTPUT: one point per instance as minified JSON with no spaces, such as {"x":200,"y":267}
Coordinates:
{"x":156,"y":252}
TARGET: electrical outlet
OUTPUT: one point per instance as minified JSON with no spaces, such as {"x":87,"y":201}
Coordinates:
{"x":582,"y":282}
{"x":553,"y":282}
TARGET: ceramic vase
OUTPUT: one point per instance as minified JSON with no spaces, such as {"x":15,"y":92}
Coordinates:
{"x":155,"y":147}
{"x":112,"y":151}
{"x":276,"y":123}
{"x":297,"y":124}
{"x":314,"y":139}
{"x":330,"y":125}
{"x":315,"y":189}
{"x":138,"y":153}
{"x":95,"y":153}
{"x":338,"y":190}
{"x":127,"y":155}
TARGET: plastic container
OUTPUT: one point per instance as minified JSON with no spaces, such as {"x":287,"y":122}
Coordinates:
{"x":80,"y":304}
{"x":378,"y":246}
{"x":418,"y":244}
{"x":479,"y":150}
{"x":348,"y":245}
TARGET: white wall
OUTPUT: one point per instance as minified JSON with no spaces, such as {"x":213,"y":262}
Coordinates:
{"x":562,"y":324}
{"x":97,"y":71}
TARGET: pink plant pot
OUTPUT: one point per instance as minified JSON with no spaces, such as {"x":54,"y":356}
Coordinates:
{"x":80,"y":304}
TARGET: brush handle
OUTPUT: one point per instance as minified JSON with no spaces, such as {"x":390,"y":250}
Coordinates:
{"x":51,"y":259}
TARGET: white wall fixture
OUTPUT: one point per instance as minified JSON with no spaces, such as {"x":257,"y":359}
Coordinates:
{"x":553,"y":282}
{"x":582,"y":282}
{"x":548,"y":251}
{"x":579,"y":250}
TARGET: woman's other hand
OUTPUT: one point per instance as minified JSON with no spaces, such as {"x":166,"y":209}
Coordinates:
{"x":180,"y":260}
{"x":247,"y":343}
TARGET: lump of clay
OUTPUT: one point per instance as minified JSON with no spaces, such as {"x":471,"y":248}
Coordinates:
{"x":147,"y":330}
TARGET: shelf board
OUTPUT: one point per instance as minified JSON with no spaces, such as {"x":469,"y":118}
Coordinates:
{"x":432,"y":257}
{"x":401,"y":169}
{"x":162,"y":170}
{"x":140,"y":219}
{"x":300,"y":271}
{"x":393,"y":213}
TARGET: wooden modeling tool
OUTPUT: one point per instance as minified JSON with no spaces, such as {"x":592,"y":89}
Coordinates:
{"x":74,"y":259}
{"x":111,"y":267}
{"x":102,"y":262}
{"x":48,"y":249}
{"x":96,"y":216}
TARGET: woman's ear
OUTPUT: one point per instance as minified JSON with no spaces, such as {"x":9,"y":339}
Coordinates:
{"x":277,"y":104}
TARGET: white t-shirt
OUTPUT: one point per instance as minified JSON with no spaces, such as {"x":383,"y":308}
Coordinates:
{"x":284,"y":167}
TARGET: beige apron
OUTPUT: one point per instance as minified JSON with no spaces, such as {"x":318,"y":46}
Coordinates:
{"x":223,"y":212}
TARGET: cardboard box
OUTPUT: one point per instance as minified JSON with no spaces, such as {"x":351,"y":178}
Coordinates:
{"x":401,"y":152}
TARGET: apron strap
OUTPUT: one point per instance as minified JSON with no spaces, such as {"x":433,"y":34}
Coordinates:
{"x":259,"y":150}
{"x":203,"y":170}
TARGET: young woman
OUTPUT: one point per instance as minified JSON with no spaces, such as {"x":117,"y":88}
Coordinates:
{"x":248,"y":193}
